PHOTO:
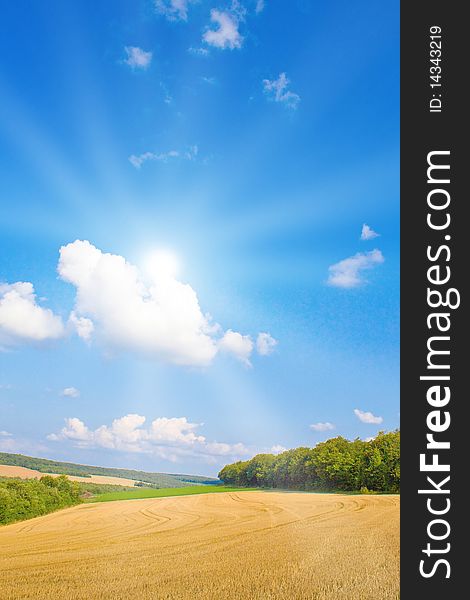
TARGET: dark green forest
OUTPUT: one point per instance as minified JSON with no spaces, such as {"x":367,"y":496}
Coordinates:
{"x":24,"y":499}
{"x":335,"y":465}
{"x":155,"y":480}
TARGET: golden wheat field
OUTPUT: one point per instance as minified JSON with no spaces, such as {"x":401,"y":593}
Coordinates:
{"x":240,"y":546}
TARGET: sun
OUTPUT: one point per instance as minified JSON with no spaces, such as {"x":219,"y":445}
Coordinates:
{"x":162,"y":264}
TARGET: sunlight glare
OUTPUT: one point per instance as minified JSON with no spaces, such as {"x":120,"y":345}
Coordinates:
{"x":162,"y":264}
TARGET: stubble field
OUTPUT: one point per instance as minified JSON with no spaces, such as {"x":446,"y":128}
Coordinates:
{"x":238,"y":545}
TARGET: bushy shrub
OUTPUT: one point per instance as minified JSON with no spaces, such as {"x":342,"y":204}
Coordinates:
{"x":23,"y":499}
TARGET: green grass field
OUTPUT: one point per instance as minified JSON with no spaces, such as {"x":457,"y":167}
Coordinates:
{"x":161,"y":493}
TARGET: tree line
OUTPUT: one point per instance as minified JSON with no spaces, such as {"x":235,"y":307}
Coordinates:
{"x":27,"y":498}
{"x":335,"y":465}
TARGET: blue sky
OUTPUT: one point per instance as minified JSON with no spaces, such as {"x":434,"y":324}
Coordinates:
{"x":207,"y":169}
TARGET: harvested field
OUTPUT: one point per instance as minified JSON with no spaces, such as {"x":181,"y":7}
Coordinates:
{"x":237,"y":545}
{"x":24,"y":473}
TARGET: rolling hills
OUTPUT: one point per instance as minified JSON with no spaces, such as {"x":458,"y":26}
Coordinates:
{"x":155,"y":480}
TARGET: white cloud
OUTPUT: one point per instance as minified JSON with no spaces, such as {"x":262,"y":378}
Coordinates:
{"x":347,"y":272}
{"x":226,"y":34}
{"x":238,"y":10}
{"x":265,"y":344}
{"x":137,"y":58}
{"x":198,"y":51}
{"x":367,"y":233}
{"x":22,"y":319}
{"x":277,"y":449}
{"x":4,"y":433}
{"x":322,"y":426}
{"x":83,"y":326}
{"x":70,"y":392}
{"x":173,"y":10}
{"x":172,"y":438}
{"x":259,"y":6}
{"x":74,"y":429}
{"x":277,"y":90}
{"x":367,"y":417}
{"x":189,"y":154}
{"x":159,"y":316}
{"x":138,"y":160}
{"x":163,"y":318}
{"x":241,"y":346}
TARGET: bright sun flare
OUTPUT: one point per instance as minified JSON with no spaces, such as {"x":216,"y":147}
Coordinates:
{"x":162,"y":263}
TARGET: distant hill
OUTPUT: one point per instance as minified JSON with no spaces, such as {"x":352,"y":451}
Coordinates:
{"x":156,"y":480}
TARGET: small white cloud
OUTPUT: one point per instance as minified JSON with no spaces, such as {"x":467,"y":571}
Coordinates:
{"x":74,"y":430}
{"x":70,"y":392}
{"x":368,"y":233}
{"x":259,"y":6}
{"x":347,"y":272}
{"x":138,"y":160}
{"x":173,"y":10}
{"x":22,"y":319}
{"x":277,"y":90}
{"x":172,"y":438}
{"x":277,"y":449}
{"x":265,"y":344}
{"x":238,"y":10}
{"x":198,"y":51}
{"x":322,"y":426}
{"x":83,"y":326}
{"x":4,"y":433}
{"x":137,"y":58}
{"x":367,"y":417}
{"x":241,"y":346}
{"x":226,"y":34}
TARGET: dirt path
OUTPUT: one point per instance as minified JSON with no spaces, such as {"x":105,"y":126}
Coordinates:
{"x":240,"y":546}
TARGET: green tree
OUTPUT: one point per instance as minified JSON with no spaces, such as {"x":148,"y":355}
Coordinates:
{"x":337,"y":464}
{"x":259,"y":470}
